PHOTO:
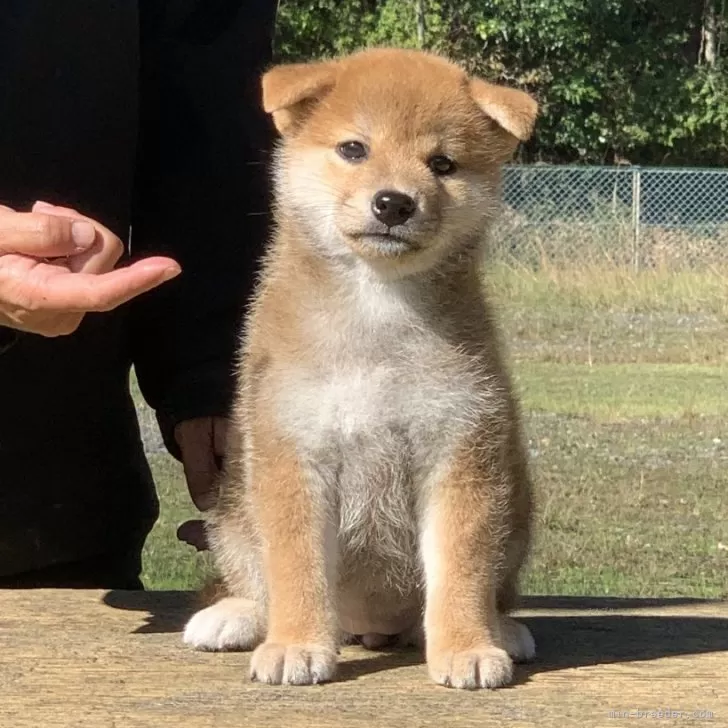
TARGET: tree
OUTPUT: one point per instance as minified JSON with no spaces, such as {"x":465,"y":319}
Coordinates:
{"x":710,"y":34}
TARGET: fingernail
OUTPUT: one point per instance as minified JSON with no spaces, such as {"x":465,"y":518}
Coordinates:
{"x":42,"y":205}
{"x":170,"y":273}
{"x":83,"y":234}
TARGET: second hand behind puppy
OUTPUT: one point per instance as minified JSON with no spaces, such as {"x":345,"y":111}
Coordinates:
{"x":376,"y":471}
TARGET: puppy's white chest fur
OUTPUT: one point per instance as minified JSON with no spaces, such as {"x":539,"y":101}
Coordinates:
{"x":348,"y":405}
{"x":348,"y":401}
{"x":379,"y":374}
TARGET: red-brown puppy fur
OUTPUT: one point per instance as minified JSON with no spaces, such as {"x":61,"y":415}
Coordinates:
{"x":376,"y":471}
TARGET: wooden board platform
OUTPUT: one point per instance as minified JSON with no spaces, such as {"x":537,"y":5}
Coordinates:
{"x":82,"y":659}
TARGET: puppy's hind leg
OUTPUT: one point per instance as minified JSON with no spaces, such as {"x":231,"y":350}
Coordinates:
{"x":231,"y":624}
{"x":517,"y":638}
{"x":236,"y":619}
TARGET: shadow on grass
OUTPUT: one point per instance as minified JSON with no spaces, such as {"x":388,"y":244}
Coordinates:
{"x":598,"y":637}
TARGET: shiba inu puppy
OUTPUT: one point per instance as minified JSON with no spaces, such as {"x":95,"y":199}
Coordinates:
{"x":376,"y":486}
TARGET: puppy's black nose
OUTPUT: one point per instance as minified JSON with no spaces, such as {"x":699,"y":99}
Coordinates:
{"x":393,"y":208}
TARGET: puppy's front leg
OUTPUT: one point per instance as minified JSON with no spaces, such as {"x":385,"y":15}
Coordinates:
{"x":465,"y":517}
{"x":299,"y":556}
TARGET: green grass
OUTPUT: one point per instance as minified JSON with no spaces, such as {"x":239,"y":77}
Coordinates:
{"x":635,"y":507}
{"x":612,"y":315}
{"x":168,"y":563}
{"x":625,"y":392}
{"x":624,"y":384}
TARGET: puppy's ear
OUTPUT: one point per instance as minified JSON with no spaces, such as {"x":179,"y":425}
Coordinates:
{"x":292,"y":90}
{"x":513,"y":110}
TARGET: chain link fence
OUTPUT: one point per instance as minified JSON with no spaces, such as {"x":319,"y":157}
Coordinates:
{"x":640,"y":217}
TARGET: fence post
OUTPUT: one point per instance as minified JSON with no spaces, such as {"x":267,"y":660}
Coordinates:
{"x":636,"y":215}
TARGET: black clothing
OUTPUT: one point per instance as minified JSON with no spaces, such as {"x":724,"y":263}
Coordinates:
{"x":142,"y":114}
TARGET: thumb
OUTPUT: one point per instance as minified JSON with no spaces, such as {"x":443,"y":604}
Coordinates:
{"x":41,"y":235}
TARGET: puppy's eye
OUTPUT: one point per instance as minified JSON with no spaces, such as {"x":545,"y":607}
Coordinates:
{"x":352,"y":151}
{"x":442,"y":165}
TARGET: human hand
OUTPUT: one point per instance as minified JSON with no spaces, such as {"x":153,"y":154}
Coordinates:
{"x":56,"y":265}
{"x":202,"y":445}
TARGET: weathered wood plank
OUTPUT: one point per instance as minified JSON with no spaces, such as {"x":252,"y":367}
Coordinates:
{"x":81,"y":659}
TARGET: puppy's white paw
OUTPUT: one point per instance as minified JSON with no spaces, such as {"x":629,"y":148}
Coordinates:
{"x":517,"y":640}
{"x":479,"y":667}
{"x":304,"y":664}
{"x":230,"y":624}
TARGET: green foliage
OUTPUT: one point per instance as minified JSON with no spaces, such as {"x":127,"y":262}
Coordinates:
{"x":322,"y":28}
{"x":615,"y":78}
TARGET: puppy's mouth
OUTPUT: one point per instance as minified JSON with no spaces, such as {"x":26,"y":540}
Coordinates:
{"x":389,"y":244}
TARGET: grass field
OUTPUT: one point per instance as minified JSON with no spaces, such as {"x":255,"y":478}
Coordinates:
{"x":624,"y":383}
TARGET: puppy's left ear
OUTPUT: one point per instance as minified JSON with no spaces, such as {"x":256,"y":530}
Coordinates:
{"x":292,"y":90}
{"x":513,"y":110}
